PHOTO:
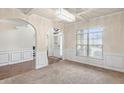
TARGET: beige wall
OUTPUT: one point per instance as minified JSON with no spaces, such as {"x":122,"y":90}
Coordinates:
{"x":113,"y":36}
{"x":41,"y":24}
{"x":16,"y":39}
{"x":4,"y":26}
{"x":112,"y":39}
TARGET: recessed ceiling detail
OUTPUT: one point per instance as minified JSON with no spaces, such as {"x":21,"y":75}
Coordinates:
{"x":25,"y":10}
{"x":65,"y":15}
{"x":79,"y":13}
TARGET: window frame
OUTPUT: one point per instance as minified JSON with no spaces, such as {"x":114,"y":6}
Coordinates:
{"x":88,"y":45}
{"x":81,"y":45}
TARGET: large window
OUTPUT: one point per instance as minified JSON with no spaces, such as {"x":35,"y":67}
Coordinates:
{"x":89,"y":42}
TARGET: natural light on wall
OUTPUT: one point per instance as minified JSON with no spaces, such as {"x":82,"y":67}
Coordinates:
{"x":65,"y":15}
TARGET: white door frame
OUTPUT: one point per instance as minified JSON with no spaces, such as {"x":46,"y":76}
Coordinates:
{"x":61,"y":46}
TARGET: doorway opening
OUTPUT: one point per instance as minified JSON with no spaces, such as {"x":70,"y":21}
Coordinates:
{"x":58,"y":45}
{"x":55,"y":46}
{"x":18,"y":47}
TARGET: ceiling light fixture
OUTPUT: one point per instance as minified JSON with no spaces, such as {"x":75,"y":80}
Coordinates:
{"x":65,"y":15}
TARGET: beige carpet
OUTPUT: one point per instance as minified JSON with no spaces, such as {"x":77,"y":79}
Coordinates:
{"x":67,"y":72}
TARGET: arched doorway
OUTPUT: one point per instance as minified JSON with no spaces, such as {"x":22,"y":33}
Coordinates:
{"x":18,"y":46}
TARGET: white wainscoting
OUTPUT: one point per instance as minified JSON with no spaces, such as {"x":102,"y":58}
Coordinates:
{"x":110,"y":61}
{"x":4,"y":58}
{"x":27,"y":55}
{"x":115,"y":61}
{"x":41,"y":59}
{"x":15,"y":56}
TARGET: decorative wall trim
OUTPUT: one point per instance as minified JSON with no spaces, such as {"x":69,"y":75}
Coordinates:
{"x":4,"y":58}
{"x":41,"y":59}
{"x":111,"y":61}
{"x":114,"y":60}
{"x":27,"y":55}
{"x":15,"y":56}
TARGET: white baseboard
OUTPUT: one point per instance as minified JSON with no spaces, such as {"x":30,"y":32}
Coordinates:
{"x":15,"y":56}
{"x":110,"y":61}
{"x":41,"y":59}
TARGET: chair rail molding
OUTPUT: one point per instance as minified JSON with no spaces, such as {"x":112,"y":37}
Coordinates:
{"x":113,"y":61}
{"x":15,"y":56}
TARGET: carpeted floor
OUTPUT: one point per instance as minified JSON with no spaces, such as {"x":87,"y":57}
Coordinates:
{"x":67,"y":72}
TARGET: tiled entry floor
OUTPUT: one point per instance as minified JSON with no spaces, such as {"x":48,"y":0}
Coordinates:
{"x":53,"y":59}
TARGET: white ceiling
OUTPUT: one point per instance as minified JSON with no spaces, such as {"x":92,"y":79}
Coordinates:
{"x":80,"y":13}
{"x":25,"y":10}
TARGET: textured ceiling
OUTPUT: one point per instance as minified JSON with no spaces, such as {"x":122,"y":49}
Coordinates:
{"x":76,"y":10}
{"x":25,"y":10}
{"x":99,"y":12}
{"x":80,"y":13}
